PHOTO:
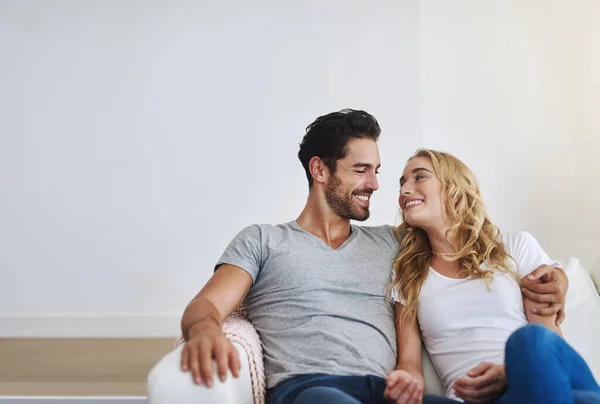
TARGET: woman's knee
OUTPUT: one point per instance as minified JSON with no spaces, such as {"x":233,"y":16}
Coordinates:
{"x":531,"y":336}
{"x":530,"y":342}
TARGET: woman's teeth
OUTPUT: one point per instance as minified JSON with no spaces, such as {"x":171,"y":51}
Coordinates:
{"x":413,"y":203}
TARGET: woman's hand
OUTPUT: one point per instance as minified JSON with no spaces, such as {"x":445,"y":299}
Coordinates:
{"x":402,"y":388}
{"x":485,"y":383}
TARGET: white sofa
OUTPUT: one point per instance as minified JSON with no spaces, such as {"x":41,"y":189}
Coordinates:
{"x":167,"y":384}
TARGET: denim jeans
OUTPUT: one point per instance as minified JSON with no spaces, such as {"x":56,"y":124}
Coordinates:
{"x":542,"y":368}
{"x":330,"y":389}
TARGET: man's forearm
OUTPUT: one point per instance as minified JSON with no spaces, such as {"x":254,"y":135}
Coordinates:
{"x":199,"y":313}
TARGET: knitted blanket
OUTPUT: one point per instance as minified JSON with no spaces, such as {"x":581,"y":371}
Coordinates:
{"x":238,"y":328}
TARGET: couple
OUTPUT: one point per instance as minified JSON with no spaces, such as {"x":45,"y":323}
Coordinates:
{"x":336,"y":330}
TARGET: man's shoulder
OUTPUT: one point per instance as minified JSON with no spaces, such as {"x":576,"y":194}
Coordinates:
{"x":383,"y":229}
{"x":262,"y":229}
{"x":385,"y":233}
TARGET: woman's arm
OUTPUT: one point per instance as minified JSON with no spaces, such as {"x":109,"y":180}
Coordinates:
{"x":408,"y":339}
{"x":406,"y":384}
{"x":533,"y":318}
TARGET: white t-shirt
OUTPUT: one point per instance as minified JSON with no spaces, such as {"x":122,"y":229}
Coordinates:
{"x":463,"y":323}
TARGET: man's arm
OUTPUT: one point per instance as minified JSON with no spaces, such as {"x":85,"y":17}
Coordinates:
{"x":547,"y":286}
{"x":201,"y":324}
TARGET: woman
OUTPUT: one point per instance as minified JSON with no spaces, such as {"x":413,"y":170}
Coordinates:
{"x":457,"y":281}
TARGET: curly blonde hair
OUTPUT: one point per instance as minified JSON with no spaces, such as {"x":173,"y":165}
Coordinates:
{"x":474,"y":237}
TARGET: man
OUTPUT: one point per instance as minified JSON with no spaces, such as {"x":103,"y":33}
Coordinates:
{"x":314,"y":287}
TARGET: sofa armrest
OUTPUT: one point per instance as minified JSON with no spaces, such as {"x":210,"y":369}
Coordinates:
{"x":167,"y":384}
{"x":238,"y":328}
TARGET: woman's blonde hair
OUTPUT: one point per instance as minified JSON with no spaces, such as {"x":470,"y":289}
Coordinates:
{"x":473,"y":235}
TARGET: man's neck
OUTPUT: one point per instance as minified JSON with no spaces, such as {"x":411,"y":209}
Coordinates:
{"x":317,"y":218}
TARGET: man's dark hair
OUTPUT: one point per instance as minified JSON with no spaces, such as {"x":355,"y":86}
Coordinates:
{"x":329,"y":134}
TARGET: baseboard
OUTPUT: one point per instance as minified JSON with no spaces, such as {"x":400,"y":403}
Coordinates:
{"x":72,"y":400}
{"x":94,"y":326}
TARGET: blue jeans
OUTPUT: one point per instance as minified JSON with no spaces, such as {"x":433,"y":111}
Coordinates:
{"x":542,"y":368}
{"x":329,"y":389}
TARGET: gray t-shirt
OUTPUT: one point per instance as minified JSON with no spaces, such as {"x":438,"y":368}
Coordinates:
{"x":318,"y":309}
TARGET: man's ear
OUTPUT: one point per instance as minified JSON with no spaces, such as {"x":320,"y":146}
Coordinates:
{"x":318,"y":169}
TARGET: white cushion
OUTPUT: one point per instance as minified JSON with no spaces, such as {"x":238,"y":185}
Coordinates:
{"x":433,"y":383}
{"x":595,"y":274}
{"x":581,"y":327}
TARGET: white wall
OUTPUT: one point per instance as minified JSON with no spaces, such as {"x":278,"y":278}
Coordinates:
{"x":138,"y":137}
{"x":513,"y":89}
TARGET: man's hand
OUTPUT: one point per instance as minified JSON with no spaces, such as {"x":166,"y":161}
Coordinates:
{"x":402,"y":388}
{"x":205,"y":343}
{"x":547,"y":285}
{"x":485,"y":383}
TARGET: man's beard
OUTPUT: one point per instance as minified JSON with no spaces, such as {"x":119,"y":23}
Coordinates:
{"x":344,"y":205}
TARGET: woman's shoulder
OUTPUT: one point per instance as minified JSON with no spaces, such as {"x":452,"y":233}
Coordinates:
{"x":516,"y":240}
{"x":525,"y":250}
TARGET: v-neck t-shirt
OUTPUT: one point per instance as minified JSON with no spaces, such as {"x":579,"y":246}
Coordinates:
{"x":318,"y":309}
